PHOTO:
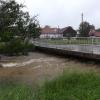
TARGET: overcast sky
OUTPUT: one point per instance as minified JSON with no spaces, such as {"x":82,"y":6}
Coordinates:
{"x":64,"y":12}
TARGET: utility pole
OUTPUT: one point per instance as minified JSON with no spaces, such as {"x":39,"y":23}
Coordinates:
{"x":82,"y":17}
{"x":82,"y":22}
{"x":58,"y":29}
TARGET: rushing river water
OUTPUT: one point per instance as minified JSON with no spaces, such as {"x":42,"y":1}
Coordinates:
{"x":24,"y":63}
{"x":32,"y":58}
{"x":35,"y":58}
{"x":37,"y":66}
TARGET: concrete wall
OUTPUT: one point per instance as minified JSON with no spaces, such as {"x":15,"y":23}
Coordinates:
{"x":68,"y":53}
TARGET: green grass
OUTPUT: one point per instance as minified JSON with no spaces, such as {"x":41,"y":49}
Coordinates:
{"x":72,"y":41}
{"x":71,"y":86}
{"x":15,"y":92}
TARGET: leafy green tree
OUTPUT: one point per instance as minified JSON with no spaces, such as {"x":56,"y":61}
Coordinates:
{"x":15,"y":25}
{"x":15,"y":22}
{"x":8,"y":15}
{"x":34,"y":29}
{"x":21,"y":24}
{"x":84,"y":29}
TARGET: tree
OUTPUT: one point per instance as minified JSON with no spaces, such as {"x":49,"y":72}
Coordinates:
{"x":8,"y":15}
{"x":34,"y":29}
{"x":92,"y":27}
{"x":15,"y":22}
{"x":16,"y":26}
{"x":84,"y":29}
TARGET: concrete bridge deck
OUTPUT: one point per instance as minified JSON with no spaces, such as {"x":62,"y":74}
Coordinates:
{"x":84,"y":50}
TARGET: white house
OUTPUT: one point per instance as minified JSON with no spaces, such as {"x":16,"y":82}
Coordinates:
{"x":48,"y":32}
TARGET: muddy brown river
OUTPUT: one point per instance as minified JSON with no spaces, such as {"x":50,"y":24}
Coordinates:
{"x":37,"y":67}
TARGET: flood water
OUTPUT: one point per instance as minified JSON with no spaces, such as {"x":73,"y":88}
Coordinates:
{"x":32,"y":58}
{"x":38,"y":66}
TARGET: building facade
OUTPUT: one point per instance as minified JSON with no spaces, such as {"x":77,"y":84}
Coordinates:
{"x":48,"y":32}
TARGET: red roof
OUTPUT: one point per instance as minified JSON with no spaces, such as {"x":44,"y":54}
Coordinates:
{"x":97,"y":34}
{"x":49,"y":30}
{"x":94,"y":33}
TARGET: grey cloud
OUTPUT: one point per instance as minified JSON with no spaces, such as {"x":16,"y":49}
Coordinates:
{"x":64,"y":12}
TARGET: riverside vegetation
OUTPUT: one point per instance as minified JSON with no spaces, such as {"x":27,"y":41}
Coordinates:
{"x":69,"y":86}
{"x":17,"y":28}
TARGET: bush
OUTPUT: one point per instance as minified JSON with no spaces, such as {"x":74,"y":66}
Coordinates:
{"x":16,"y":47}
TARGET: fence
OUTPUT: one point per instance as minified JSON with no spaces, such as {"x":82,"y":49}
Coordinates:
{"x":79,"y":44}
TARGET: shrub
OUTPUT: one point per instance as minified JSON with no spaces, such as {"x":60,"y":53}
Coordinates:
{"x":16,"y":47}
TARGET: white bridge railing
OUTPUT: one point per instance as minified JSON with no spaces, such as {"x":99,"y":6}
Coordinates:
{"x":73,"y":40}
{"x":79,"y":44}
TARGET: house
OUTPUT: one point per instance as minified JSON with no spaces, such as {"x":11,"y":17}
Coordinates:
{"x":68,"y":32}
{"x":48,"y":32}
{"x":94,"y":33}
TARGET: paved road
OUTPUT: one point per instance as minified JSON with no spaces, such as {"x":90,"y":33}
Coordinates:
{"x":93,"y":49}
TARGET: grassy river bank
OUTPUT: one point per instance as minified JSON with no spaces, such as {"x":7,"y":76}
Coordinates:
{"x":49,"y":78}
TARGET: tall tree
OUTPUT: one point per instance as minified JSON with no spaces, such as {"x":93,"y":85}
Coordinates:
{"x":8,"y":15}
{"x":16,"y":28}
{"x":15,"y":22}
{"x":34,"y":27}
{"x":84,"y":29}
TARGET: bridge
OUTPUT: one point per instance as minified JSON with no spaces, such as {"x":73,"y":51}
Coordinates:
{"x":82,"y":47}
